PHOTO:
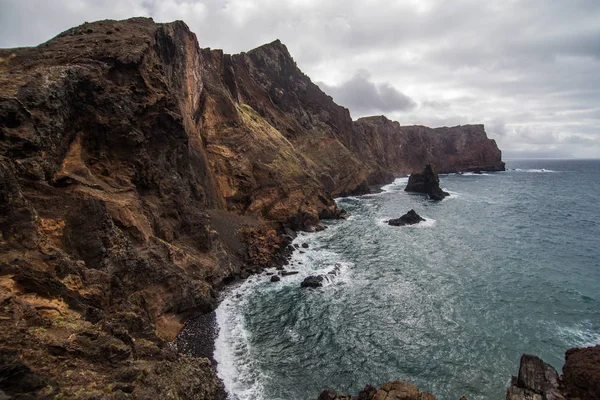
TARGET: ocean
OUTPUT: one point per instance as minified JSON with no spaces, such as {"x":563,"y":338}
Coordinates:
{"x":508,"y":264}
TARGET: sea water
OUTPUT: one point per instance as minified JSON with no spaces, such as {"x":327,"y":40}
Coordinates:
{"x":508,"y":264}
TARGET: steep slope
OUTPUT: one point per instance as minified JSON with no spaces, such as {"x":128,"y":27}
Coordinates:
{"x":138,"y":173}
{"x":106,"y":245}
{"x":269,"y":80}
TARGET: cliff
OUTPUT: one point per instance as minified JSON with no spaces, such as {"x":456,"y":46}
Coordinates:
{"x":389,"y":147}
{"x":139,"y":173}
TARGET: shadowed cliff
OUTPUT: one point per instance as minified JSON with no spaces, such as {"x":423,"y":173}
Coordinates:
{"x":138,"y":173}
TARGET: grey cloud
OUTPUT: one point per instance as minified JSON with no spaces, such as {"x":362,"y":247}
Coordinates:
{"x":364,"y":97}
{"x":495,"y":127}
{"x":435,"y":104}
{"x":520,"y":64}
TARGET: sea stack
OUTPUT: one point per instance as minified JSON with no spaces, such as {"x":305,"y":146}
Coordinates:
{"x":426,"y":182}
{"x":410,"y":218}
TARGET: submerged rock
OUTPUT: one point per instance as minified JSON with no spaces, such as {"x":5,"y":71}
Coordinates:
{"x":426,"y":182}
{"x":410,"y":218}
{"x":312,"y":281}
{"x":287,"y":273}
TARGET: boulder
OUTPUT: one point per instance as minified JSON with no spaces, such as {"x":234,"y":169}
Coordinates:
{"x":275,"y":278}
{"x":426,"y":182}
{"x":410,"y":218}
{"x":536,"y":380}
{"x":312,"y":281}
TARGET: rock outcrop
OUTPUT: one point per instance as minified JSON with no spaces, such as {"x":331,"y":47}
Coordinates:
{"x":397,"y":390}
{"x":538,"y":380}
{"x":410,"y":218}
{"x":139,"y":173}
{"x":313,"y":281}
{"x":426,"y":182}
{"x":581,"y":373}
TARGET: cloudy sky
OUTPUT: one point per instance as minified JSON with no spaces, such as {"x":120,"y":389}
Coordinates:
{"x":529,"y":70}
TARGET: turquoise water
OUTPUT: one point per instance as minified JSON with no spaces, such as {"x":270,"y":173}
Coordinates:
{"x":509,"y":264}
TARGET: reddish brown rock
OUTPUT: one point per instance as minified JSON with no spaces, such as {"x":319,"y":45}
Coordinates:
{"x":581,"y":373}
{"x":138,"y":174}
{"x":388,"y":148}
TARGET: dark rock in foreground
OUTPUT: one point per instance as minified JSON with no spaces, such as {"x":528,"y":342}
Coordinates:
{"x":388,"y":391}
{"x":535,"y":378}
{"x":275,"y":278}
{"x":312,"y":281}
{"x":410,"y":218}
{"x":426,"y":182}
{"x":581,"y":373}
{"x":538,"y":380}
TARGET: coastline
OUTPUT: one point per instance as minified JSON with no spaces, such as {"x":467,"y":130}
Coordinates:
{"x":420,"y":384}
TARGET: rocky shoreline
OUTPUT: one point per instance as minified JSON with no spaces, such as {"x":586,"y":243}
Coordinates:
{"x":141,"y":174}
{"x":536,"y":380}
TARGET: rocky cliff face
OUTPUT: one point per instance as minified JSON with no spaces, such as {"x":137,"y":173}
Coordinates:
{"x":388,"y":147}
{"x":139,"y":172}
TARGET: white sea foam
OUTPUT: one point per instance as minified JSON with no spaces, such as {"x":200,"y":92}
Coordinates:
{"x":236,"y":365}
{"x":474,"y":174}
{"x":579,"y":335}
{"x":453,"y":195}
{"x":394,"y":186}
{"x":535,"y":170}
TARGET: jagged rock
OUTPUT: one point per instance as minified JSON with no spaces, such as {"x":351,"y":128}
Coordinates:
{"x":312,"y":281}
{"x":328,"y":394}
{"x":581,"y":373}
{"x":410,"y":218}
{"x":536,"y":378}
{"x":426,"y":182}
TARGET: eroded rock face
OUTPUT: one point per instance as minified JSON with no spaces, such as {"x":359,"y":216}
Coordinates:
{"x":388,"y":148}
{"x":410,"y":218}
{"x":426,"y":182}
{"x":536,"y":380}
